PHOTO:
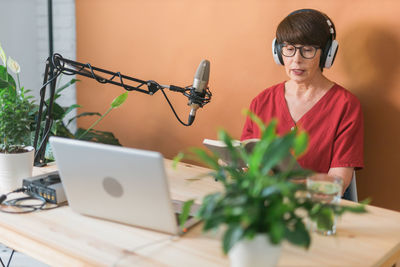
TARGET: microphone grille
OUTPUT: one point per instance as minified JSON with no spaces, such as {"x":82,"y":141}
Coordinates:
{"x":203,"y":71}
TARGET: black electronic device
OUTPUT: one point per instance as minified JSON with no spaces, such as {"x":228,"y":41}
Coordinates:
{"x":47,"y":185}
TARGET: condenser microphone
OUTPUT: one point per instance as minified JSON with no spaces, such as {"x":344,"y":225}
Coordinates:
{"x":200,"y":83}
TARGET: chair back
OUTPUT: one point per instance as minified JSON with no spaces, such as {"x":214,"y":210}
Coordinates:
{"x":351,"y":191}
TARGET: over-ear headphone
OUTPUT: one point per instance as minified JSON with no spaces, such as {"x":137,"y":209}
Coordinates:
{"x":328,"y":52}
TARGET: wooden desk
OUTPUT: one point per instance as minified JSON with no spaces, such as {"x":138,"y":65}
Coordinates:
{"x":61,"y":237}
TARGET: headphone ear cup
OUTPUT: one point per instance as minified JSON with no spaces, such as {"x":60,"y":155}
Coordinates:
{"x":276,"y":52}
{"x":331,"y":54}
{"x":324,"y":54}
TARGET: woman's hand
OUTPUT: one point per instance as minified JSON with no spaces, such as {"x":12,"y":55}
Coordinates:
{"x":345,"y":172}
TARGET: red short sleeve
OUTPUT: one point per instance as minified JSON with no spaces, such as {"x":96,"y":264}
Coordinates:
{"x":348,"y":147}
{"x":249,"y":130}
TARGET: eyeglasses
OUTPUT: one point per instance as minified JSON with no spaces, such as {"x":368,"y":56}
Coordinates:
{"x":306,"y":51}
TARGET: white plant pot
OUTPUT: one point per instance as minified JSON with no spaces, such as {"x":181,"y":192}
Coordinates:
{"x":14,"y":168}
{"x":258,"y":252}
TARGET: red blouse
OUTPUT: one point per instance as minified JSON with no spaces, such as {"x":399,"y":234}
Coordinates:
{"x":335,"y":126}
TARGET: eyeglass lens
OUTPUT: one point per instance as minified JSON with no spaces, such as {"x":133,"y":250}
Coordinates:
{"x":306,"y":51}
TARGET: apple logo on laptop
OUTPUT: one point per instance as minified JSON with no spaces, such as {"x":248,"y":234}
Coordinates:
{"x":112,"y":187}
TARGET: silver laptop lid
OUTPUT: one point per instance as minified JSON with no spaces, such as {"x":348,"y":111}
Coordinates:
{"x":120,"y":184}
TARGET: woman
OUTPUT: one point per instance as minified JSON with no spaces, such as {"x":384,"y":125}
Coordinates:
{"x":305,"y":44}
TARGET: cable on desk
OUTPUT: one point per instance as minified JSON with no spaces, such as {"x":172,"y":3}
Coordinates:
{"x":20,"y":205}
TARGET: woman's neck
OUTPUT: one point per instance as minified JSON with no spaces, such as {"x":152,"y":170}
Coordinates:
{"x":301,"y":97}
{"x":308,"y":89}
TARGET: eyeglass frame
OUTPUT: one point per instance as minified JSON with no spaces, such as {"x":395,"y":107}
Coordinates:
{"x":300,"y":48}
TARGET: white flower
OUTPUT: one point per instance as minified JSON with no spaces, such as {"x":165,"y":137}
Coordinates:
{"x":13,"y":65}
{"x":3,"y":55}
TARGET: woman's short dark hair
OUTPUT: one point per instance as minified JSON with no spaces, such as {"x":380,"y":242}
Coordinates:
{"x":305,"y":27}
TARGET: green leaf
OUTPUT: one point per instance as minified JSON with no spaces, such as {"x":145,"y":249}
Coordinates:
{"x":365,"y":201}
{"x":15,"y":116}
{"x":296,"y":174}
{"x":177,"y":159}
{"x":69,"y":109}
{"x":118,"y":101}
{"x":359,"y":208}
{"x":325,"y":219}
{"x":98,"y":136}
{"x":59,"y":129}
{"x":185,"y":213}
{"x":299,"y":235}
{"x":58,"y":111}
{"x":6,"y":78}
{"x":71,"y":82}
{"x":300,"y":143}
{"x":213,"y":222}
{"x":278,"y":150}
{"x":209,"y":205}
{"x":231,"y":236}
{"x":209,"y":159}
{"x":83,"y":115}
{"x":270,"y":131}
{"x":3,"y":84}
{"x":255,"y":118}
{"x":236,"y":152}
{"x":270,"y":190}
{"x":277,"y":232}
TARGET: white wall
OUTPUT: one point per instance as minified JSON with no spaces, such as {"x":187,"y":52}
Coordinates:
{"x":19,"y":38}
{"x":24,"y":37}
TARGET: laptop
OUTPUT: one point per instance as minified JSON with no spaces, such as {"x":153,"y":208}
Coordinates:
{"x":120,"y":184}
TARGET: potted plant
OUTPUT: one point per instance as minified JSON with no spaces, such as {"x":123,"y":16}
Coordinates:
{"x":260,"y":206}
{"x":60,"y":126}
{"x":16,"y":159}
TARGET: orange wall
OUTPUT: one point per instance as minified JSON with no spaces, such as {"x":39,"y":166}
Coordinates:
{"x":165,"y":41}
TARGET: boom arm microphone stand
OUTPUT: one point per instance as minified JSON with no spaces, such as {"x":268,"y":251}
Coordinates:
{"x":58,"y":65}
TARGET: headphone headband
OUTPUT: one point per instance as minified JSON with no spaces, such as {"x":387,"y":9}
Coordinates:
{"x":328,"y":52}
{"x":328,"y":21}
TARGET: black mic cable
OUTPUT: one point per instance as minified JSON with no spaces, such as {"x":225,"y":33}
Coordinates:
{"x":16,"y":203}
{"x":4,"y":196}
{"x":200,"y":99}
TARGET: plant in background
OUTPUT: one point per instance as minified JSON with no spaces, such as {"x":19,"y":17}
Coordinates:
{"x":18,"y":113}
{"x":259,"y":200}
{"x":60,"y":128}
{"x":15,"y":108}
{"x":100,"y":136}
{"x":60,"y":125}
